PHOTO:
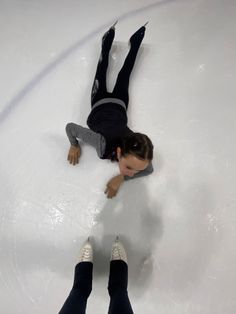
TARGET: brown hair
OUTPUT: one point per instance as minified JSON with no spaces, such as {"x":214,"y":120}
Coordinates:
{"x":137,"y":144}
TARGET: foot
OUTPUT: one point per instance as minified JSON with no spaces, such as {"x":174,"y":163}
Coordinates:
{"x":118,"y":251}
{"x":137,"y":37}
{"x":108,"y":37}
{"x":86,"y":252}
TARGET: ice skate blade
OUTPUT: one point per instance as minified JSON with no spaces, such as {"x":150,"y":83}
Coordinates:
{"x":113,"y":26}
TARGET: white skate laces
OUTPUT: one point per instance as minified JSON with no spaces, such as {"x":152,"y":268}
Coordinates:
{"x":86,"y":253}
{"x":118,"y":251}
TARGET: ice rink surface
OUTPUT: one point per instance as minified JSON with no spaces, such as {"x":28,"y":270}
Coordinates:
{"x":178,"y":224}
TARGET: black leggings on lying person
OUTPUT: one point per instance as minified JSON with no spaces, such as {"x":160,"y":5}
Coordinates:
{"x":121,"y":89}
{"x":82,"y":287}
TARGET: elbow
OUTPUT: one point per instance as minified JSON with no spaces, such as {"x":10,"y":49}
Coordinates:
{"x":150,"y":168}
{"x":68,"y":127}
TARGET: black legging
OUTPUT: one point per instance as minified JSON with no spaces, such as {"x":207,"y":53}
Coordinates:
{"x":121,"y":89}
{"x":82,"y":287}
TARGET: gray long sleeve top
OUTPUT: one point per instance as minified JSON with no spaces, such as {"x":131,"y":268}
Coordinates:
{"x":75,"y":132}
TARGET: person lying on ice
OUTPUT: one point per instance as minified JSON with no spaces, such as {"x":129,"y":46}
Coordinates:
{"x":108,"y":132}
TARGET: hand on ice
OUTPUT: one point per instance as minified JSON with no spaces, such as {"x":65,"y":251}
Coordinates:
{"x":74,"y":154}
{"x":113,"y":186}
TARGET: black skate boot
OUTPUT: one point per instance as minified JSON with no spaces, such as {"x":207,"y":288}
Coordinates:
{"x":108,"y":38}
{"x":137,"y":37}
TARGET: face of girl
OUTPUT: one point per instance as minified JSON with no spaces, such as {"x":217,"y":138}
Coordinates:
{"x":130,"y":165}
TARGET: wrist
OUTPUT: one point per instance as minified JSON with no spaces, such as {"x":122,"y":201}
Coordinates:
{"x":121,"y":177}
{"x":75,"y":146}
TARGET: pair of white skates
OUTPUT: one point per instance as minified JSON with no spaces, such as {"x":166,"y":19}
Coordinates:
{"x":117,"y":252}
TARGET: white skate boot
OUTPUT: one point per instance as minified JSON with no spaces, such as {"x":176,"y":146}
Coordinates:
{"x":118,"y":251}
{"x":86,"y":252}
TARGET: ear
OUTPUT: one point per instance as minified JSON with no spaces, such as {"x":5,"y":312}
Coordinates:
{"x":118,"y":152}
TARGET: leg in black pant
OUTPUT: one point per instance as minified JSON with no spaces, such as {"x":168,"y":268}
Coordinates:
{"x":121,"y":89}
{"x":99,"y":89}
{"x":117,"y":288}
{"x":82,"y":287}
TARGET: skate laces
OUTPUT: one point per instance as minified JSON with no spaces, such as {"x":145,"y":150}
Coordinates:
{"x":118,"y":252}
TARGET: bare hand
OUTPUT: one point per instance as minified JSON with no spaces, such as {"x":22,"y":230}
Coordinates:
{"x":113,"y":186}
{"x":74,"y":154}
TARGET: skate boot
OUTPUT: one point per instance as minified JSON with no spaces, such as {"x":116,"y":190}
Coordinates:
{"x":108,"y":38}
{"x":86,"y":252}
{"x":137,"y":37}
{"x":118,"y":251}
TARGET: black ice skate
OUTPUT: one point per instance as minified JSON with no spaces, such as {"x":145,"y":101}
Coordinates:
{"x":108,"y":37}
{"x":137,"y":37}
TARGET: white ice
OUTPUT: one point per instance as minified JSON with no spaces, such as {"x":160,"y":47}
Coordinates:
{"x":178,"y":224}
